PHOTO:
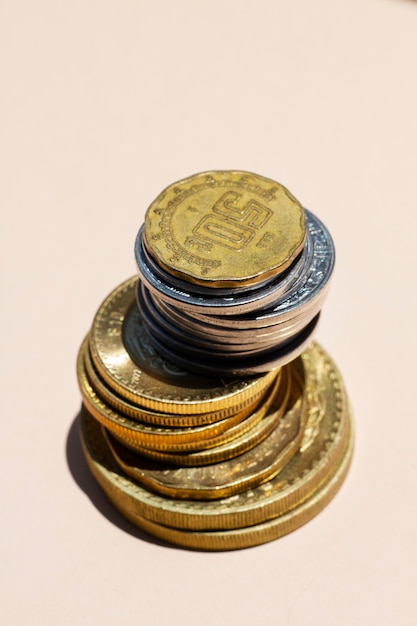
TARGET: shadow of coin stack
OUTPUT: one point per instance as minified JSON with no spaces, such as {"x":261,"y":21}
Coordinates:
{"x":210,"y":419}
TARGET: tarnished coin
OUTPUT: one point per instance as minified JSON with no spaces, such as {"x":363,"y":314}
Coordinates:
{"x":135,"y":434}
{"x":226,"y":478}
{"x":324,"y":448}
{"x":224,"y":228}
{"x":125,"y":358}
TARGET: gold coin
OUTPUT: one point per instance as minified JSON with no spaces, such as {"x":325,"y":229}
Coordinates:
{"x":322,"y":450}
{"x":156,"y":418}
{"x":221,"y":479}
{"x":125,"y":359}
{"x":191,"y":439}
{"x":233,"y":448}
{"x":134,"y":433}
{"x":249,"y":536}
{"x":223,"y":229}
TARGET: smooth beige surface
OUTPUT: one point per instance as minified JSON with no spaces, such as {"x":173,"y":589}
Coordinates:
{"x":103,"y":105}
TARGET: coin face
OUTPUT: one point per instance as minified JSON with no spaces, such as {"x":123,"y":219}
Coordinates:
{"x":224,"y":228}
{"x":125,"y":359}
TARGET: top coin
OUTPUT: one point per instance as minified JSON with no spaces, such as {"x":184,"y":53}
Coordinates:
{"x":224,"y":229}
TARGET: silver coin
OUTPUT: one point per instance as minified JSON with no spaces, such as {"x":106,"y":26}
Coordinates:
{"x":188,"y":343}
{"x":241,"y":366}
{"x":203,"y":328}
{"x":238,"y":343}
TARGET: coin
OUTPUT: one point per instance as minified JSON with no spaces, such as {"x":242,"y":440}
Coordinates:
{"x":188,"y":440}
{"x":156,"y":418}
{"x":257,"y":534}
{"x":225,"y":478}
{"x":125,"y":358}
{"x":135,"y":433}
{"x":324,"y":448}
{"x":224,"y":228}
{"x":246,"y":365}
{"x":267,"y":304}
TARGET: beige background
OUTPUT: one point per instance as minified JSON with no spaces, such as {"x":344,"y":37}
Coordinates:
{"x":105,"y":103}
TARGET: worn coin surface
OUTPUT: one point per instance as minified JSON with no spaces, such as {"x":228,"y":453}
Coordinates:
{"x":126,"y":360}
{"x":224,"y":228}
{"x":324,"y":446}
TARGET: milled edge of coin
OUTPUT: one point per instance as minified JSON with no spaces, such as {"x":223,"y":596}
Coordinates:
{"x":193,"y":516}
{"x":261,"y":463}
{"x":134,"y":433}
{"x":246,"y":537}
{"x":120,"y":372}
{"x":170,"y":420}
{"x":243,"y":366}
{"x":228,"y":450}
{"x":137,"y":444}
{"x":189,"y":186}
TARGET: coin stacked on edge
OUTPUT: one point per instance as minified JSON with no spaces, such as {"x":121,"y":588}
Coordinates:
{"x":210,"y":418}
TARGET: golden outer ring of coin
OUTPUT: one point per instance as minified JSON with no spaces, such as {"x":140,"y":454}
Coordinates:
{"x":133,"y":433}
{"x":225,"y":229}
{"x":302,"y":476}
{"x":221,"y":480}
{"x":169,"y":420}
{"x":121,"y":373}
{"x":250,"y":536}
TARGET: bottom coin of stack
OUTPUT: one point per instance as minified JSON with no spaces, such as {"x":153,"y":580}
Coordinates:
{"x":201,"y":462}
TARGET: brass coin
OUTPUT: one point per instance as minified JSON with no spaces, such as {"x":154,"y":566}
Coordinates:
{"x":125,"y":358}
{"x":221,"y":479}
{"x":134,"y":433}
{"x":249,"y":536}
{"x":156,"y":418}
{"x":221,"y":452}
{"x":187,"y":441}
{"x":224,"y":229}
{"x":322,"y":450}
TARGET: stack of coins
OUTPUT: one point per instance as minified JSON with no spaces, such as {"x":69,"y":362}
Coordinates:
{"x":210,"y":419}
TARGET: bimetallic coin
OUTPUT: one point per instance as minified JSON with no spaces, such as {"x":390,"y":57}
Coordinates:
{"x":135,"y":433}
{"x":324,"y":447}
{"x":222,"y":479}
{"x":224,"y":228}
{"x":155,"y":418}
{"x":126,"y":360}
